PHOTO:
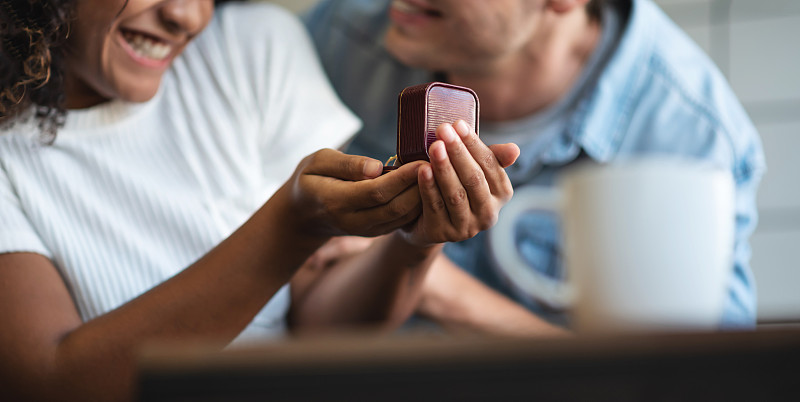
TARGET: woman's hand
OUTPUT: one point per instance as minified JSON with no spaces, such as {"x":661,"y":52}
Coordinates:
{"x":463,"y":188}
{"x":333,"y":193}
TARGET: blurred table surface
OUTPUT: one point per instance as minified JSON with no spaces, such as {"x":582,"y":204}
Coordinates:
{"x":743,"y":365}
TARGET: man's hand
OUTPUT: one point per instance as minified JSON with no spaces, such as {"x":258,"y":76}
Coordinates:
{"x":463,"y":188}
{"x":336,"y":250}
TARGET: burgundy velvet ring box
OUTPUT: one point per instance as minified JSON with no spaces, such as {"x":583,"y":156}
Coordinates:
{"x":422,"y":108}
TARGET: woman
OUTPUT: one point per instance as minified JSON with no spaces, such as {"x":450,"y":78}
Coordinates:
{"x":145,"y":153}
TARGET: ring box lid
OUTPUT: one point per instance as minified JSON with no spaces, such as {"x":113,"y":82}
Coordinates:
{"x":422,"y":108}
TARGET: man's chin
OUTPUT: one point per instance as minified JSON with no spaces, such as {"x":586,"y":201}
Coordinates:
{"x":408,"y":51}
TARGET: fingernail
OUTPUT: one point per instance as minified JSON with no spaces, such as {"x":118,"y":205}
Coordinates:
{"x":462,"y":128}
{"x":438,"y":151}
{"x":427,"y":173}
{"x":448,"y":134}
{"x":373,"y":169}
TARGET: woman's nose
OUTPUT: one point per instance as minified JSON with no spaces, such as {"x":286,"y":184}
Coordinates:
{"x":186,"y":16}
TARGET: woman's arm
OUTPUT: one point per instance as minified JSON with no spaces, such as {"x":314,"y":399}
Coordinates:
{"x":48,"y":353}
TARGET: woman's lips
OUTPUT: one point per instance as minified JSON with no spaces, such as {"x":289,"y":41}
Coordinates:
{"x":146,"y":49}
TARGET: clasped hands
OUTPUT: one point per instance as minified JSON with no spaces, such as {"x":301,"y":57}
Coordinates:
{"x":452,"y":198}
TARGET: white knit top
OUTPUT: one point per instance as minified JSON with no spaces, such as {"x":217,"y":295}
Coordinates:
{"x":130,"y":194}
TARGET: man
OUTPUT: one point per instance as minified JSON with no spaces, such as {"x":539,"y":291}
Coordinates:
{"x":566,"y":80}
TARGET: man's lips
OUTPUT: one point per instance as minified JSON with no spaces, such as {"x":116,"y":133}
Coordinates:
{"x":413,"y":7}
{"x":408,"y":14}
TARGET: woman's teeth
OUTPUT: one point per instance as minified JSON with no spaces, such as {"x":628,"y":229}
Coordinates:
{"x":147,"y":47}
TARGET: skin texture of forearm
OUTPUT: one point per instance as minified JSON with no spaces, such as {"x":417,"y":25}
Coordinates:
{"x":213,"y":300}
{"x":461,"y":303}
{"x":380,"y":287}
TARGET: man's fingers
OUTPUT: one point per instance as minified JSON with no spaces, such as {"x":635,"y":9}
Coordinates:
{"x":337,"y":248}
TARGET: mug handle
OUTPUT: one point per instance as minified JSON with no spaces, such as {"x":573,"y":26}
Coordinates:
{"x":554,"y":293}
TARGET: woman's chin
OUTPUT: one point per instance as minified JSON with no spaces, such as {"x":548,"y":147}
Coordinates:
{"x":140,"y":95}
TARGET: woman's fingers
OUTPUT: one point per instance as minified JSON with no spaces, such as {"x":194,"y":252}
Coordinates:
{"x":434,"y":208}
{"x":455,"y":196}
{"x":382,"y":190}
{"x":333,"y":163}
{"x":458,"y":194}
{"x":332,"y":191}
{"x":491,"y":162}
{"x":465,"y":152}
{"x":506,"y":154}
{"x":400,"y":211}
{"x":341,"y":179}
{"x":463,"y":188}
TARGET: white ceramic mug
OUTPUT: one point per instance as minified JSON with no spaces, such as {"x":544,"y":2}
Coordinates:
{"x":647,"y":244}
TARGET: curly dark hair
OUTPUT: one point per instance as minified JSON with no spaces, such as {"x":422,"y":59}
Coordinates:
{"x":32,"y":60}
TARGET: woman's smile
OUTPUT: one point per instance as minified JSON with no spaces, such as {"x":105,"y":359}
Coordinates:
{"x":123,"y":51}
{"x":146,"y":49}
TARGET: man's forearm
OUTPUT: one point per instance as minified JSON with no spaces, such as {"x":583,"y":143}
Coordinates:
{"x":459,"y":302}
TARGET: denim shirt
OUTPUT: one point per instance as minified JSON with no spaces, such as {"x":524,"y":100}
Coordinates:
{"x":656,"y":94}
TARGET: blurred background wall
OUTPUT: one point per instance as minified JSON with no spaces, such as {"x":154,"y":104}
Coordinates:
{"x":755,"y":44}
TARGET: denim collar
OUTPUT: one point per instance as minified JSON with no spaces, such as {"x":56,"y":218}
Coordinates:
{"x":603,"y":116}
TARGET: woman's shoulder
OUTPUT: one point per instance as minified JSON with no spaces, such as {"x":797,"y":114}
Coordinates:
{"x":248,"y":38}
{"x":237,"y":55}
{"x":256,"y":20}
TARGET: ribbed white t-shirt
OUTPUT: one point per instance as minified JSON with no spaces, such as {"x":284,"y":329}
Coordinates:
{"x":130,"y":194}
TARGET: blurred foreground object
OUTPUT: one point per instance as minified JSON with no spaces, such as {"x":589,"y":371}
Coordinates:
{"x":757,"y":365}
{"x":648,"y":244}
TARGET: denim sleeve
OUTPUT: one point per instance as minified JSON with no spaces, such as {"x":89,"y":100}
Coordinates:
{"x":740,"y":308}
{"x":318,"y":19}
